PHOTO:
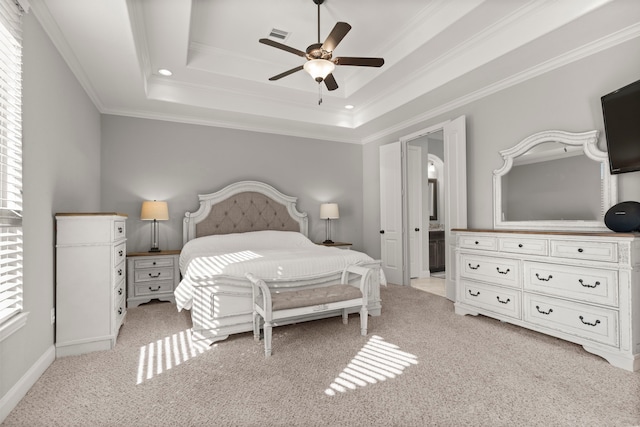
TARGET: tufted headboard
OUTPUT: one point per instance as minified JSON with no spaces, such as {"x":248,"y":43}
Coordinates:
{"x":241,"y":207}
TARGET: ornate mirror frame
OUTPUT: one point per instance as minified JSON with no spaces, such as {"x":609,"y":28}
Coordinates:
{"x":588,"y":141}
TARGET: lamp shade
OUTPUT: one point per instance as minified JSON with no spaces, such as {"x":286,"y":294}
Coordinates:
{"x":329,"y":211}
{"x":154,"y":210}
{"x":319,"y":69}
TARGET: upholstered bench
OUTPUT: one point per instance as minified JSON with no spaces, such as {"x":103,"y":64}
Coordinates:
{"x":273,"y":306}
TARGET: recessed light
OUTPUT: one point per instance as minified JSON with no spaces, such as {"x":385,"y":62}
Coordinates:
{"x":349,"y":107}
{"x":164,"y":72}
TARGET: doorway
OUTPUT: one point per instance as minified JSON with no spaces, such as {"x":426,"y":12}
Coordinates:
{"x":394,"y":202}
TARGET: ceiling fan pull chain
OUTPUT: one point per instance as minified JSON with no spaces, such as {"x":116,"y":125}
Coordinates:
{"x":319,"y":94}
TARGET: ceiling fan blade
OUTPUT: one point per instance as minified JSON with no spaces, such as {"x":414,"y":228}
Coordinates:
{"x":277,"y":45}
{"x":330,"y":82}
{"x":286,"y":73}
{"x":361,"y":62}
{"x":337,"y":34}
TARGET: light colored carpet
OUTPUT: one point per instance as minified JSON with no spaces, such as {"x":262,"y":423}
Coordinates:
{"x":420,"y":365}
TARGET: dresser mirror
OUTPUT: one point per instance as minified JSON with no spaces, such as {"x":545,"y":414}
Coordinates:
{"x":554,"y":180}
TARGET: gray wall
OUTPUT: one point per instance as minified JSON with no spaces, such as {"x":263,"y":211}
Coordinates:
{"x":567,"y":98}
{"x":150,"y":159}
{"x":61,"y":153}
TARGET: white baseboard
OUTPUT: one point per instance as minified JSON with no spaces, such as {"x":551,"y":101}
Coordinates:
{"x":20,"y":389}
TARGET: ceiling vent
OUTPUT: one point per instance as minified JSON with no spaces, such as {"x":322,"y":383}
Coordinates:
{"x":279,"y":35}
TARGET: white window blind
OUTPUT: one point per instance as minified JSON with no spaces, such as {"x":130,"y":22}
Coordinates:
{"x":10,"y":160}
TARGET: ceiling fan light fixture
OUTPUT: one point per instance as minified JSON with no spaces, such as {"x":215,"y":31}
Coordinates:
{"x":319,"y":69}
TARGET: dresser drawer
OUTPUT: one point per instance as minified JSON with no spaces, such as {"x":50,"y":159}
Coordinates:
{"x":153,"y":288}
{"x":154,"y":262}
{"x":581,"y":320}
{"x":494,"y":298}
{"x":594,"y":251}
{"x":119,"y":230}
{"x":119,"y":291}
{"x":478,"y":242}
{"x":120,"y":310}
{"x":119,"y":272}
{"x":489,"y":269}
{"x":581,"y":283}
{"x":523,"y":246}
{"x":119,"y":253}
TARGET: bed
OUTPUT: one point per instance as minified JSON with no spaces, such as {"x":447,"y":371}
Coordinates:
{"x":249,"y":226}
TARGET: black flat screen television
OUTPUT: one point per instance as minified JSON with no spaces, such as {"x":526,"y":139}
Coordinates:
{"x":621,"y":111}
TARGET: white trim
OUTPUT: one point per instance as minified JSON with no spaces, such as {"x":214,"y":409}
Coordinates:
{"x":12,"y":325}
{"x":10,"y":400}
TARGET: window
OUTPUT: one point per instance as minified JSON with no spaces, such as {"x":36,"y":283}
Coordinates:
{"x":10,"y":168}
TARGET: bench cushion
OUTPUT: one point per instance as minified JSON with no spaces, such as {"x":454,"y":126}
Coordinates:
{"x":314,"y":296}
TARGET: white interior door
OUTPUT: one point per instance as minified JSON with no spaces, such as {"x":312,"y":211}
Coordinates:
{"x":414,"y":189}
{"x":455,"y":193}
{"x":391,"y":212}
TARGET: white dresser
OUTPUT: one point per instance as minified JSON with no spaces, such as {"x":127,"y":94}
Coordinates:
{"x":90,"y":281}
{"x":581,"y":287}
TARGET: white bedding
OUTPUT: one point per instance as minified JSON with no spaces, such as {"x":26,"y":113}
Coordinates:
{"x":270,"y":255}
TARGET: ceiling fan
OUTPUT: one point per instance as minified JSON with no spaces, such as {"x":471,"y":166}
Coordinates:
{"x":320,"y":63}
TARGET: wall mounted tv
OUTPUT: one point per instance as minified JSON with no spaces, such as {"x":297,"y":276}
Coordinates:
{"x":621,"y":111}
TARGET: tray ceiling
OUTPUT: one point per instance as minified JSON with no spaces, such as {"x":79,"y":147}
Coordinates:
{"x":438,"y":54}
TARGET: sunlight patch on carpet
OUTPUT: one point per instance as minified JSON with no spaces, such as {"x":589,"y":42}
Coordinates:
{"x":375,"y":362}
{"x":164,"y":354}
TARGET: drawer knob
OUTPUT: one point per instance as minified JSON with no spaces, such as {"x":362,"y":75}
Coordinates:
{"x":154,"y":290}
{"x":476,"y":242}
{"x":472,"y":294}
{"x":474,"y":268}
{"x":503,"y":302}
{"x":587,"y":323}
{"x":154,"y":276}
{"x":154,"y":263}
{"x":502,"y":272}
{"x":586,"y":285}
{"x":520,"y":245}
{"x":580,"y":250}
{"x":544,"y":312}
{"x":543,"y":279}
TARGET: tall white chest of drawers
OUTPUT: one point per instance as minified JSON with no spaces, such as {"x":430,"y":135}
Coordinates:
{"x":581,"y":287}
{"x":90,"y":281}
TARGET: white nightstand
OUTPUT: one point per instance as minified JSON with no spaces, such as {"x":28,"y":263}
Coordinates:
{"x":152,"y":275}
{"x":341,"y":245}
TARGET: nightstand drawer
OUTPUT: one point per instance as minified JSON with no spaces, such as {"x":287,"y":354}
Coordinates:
{"x":153,"y":288}
{"x":154,"y":262}
{"x":153,"y":274}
